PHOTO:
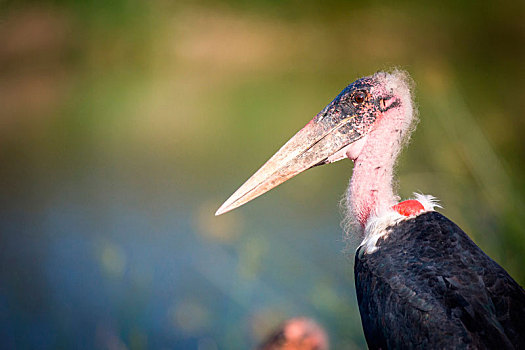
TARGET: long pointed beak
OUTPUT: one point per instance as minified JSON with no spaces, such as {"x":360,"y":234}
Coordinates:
{"x":317,"y":143}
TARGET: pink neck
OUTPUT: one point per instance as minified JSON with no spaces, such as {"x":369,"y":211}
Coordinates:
{"x":371,"y":188}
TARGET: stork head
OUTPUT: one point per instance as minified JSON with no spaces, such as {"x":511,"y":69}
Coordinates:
{"x":338,"y":131}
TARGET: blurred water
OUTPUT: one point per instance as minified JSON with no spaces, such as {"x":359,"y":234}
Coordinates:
{"x":92,"y":273}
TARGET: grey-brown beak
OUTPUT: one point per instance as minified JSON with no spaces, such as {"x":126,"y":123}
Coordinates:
{"x":315,"y":144}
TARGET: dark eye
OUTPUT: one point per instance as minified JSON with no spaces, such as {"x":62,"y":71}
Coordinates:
{"x":359,"y":97}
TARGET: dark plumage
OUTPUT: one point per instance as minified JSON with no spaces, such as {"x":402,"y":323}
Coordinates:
{"x":429,"y":286}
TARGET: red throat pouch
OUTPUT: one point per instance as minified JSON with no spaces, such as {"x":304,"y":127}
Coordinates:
{"x":409,"y":207}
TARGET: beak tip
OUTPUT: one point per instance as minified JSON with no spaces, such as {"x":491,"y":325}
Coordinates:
{"x":223,"y":209}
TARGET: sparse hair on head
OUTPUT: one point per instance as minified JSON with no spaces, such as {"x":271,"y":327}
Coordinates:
{"x":393,"y":80}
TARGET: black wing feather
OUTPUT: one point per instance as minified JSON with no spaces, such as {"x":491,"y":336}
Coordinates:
{"x":429,"y":286}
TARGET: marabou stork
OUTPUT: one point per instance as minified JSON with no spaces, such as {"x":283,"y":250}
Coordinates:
{"x":421,"y":282}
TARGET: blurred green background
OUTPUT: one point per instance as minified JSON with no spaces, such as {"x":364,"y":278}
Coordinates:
{"x":125,"y":124}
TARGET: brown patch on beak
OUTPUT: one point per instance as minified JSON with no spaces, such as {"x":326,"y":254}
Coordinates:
{"x":311,"y":146}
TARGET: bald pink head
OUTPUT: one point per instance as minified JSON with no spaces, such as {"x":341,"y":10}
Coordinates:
{"x":371,"y":186}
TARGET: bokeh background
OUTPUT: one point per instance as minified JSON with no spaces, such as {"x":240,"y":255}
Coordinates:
{"x":125,"y":124}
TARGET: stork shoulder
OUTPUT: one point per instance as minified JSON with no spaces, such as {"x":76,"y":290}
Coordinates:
{"x":379,"y":225}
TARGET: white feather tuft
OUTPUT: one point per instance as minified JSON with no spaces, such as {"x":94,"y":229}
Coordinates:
{"x":378,"y":226}
{"x":428,"y":201}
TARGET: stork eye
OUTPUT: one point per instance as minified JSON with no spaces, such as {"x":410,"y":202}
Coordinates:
{"x":359,"y":97}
